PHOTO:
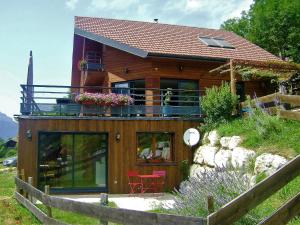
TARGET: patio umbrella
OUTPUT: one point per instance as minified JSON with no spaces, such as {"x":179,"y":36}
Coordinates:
{"x":29,"y":89}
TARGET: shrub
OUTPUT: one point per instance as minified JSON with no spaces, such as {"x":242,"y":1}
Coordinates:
{"x":222,"y":185}
{"x":185,"y":169}
{"x":218,"y":104}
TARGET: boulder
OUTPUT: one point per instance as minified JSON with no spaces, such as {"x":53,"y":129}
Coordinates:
{"x":268,"y":163}
{"x":225,"y":141}
{"x":205,"y":154}
{"x":223,"y":158}
{"x":234,"y":142}
{"x":197,"y":171}
{"x":241,"y":157}
{"x":213,"y":138}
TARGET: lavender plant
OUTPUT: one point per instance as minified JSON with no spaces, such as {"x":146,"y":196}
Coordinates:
{"x":223,"y":185}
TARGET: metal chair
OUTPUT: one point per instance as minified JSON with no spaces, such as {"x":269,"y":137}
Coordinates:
{"x":134,"y":182}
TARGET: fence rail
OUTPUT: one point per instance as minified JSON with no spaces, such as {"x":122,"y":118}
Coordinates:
{"x":285,"y":106}
{"x":103,"y":213}
{"x":226,"y":215}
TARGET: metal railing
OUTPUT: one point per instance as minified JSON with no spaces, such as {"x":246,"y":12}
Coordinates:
{"x":54,"y":100}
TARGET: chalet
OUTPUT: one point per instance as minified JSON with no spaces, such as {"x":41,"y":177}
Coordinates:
{"x":135,"y":89}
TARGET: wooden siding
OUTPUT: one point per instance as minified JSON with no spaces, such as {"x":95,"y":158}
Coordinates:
{"x":122,"y":154}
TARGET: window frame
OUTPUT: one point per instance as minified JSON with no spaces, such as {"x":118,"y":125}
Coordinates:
{"x":144,"y":162}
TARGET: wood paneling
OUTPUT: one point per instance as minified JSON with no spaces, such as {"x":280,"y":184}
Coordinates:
{"x":121,"y":154}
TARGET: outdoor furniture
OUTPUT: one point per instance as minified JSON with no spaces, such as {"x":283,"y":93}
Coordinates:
{"x":149,"y":182}
{"x":161,"y":180}
{"x":134,"y":182}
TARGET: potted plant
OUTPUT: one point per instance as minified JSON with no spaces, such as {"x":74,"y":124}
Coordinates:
{"x":166,"y":109}
{"x":82,"y":65}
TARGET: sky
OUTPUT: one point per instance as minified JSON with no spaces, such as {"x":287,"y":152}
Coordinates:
{"x":46,"y":27}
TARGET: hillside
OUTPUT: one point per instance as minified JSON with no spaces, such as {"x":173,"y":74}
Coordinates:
{"x":8,"y":127}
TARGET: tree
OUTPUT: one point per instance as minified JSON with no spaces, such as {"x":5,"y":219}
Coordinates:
{"x":273,"y":25}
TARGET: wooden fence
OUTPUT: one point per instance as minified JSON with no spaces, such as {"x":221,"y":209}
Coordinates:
{"x":226,"y":215}
{"x":285,"y":106}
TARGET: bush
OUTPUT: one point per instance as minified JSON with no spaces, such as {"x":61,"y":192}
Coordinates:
{"x":222,"y":185}
{"x":11,"y":152}
{"x":218,"y":104}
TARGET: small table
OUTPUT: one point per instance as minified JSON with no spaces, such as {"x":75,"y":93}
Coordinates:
{"x":148,"y":182}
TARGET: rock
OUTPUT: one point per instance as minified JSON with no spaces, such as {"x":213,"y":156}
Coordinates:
{"x":223,"y":158}
{"x":225,"y":141}
{"x":253,"y":180}
{"x":241,"y":157}
{"x":213,"y":138}
{"x":197,"y":171}
{"x":268,"y":163}
{"x":205,"y":138}
{"x":205,"y":154}
{"x":234,"y":142}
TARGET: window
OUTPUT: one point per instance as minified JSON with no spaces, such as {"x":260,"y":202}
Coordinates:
{"x":93,"y":57}
{"x":216,"y":42}
{"x":154,"y":147}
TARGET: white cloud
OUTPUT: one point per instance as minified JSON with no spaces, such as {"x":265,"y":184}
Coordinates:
{"x":201,"y":13}
{"x":71,"y":4}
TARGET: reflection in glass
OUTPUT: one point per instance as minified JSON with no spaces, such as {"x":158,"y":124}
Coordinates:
{"x":72,"y":160}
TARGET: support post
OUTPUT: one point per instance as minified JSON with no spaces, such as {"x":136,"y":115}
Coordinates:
{"x":47,"y":192}
{"x":30,"y":182}
{"x":210,"y":204}
{"x":103,"y":202}
{"x":232,"y":78}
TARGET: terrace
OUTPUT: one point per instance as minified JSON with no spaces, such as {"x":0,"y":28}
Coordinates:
{"x":47,"y":100}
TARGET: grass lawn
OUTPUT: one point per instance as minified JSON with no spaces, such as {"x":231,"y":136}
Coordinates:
{"x":283,"y":139}
{"x":11,"y":212}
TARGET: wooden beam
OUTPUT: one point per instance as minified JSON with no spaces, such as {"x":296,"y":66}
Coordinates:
{"x":287,"y":114}
{"x":285,"y":213}
{"x":225,"y":71}
{"x":232,"y":78}
{"x":241,"y":205}
{"x":219,"y":68}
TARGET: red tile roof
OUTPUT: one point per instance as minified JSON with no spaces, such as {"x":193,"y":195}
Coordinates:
{"x":166,"y":39}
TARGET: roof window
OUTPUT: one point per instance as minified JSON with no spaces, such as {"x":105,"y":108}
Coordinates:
{"x":216,"y":42}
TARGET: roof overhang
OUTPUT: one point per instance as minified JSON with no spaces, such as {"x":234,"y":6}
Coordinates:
{"x":111,"y":43}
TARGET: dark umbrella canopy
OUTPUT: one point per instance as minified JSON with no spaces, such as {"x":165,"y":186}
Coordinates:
{"x":29,"y":92}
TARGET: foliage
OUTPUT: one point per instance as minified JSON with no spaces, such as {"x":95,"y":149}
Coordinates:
{"x":218,"y":104}
{"x":223,"y":185}
{"x":82,"y":64}
{"x":167,"y":96}
{"x":110,"y":99}
{"x":185,"y":169}
{"x":273,"y":25}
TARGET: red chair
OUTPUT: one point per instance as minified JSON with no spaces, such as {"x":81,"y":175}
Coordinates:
{"x":160,"y":183}
{"x":134,"y":182}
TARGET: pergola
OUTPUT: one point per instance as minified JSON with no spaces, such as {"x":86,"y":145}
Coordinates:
{"x":277,"y":69}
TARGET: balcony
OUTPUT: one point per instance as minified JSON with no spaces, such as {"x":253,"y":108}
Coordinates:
{"x":46,"y":100}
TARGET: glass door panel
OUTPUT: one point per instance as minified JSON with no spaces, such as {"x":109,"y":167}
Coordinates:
{"x":90,"y":160}
{"x":55,"y":160}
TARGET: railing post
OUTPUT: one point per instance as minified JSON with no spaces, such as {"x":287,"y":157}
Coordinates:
{"x":210,"y":204}
{"x":103,"y":202}
{"x":47,"y":192}
{"x":30,"y":182}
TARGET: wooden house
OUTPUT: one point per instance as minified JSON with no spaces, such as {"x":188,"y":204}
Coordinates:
{"x":77,"y":147}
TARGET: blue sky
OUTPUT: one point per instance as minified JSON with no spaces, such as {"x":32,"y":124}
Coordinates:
{"x":46,"y":28}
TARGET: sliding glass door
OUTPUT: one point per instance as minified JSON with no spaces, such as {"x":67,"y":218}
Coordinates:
{"x":73,"y":161}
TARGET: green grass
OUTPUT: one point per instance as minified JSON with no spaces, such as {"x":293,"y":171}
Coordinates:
{"x":11,"y":212}
{"x":283,"y":141}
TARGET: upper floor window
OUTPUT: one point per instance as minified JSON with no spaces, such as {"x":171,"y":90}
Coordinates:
{"x":93,"y":57}
{"x":216,"y":42}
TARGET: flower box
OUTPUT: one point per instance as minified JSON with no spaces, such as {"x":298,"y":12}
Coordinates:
{"x":101,"y":99}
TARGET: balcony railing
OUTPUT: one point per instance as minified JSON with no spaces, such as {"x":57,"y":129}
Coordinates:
{"x":47,"y":100}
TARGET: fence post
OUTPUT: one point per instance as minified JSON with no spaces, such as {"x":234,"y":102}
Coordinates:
{"x":17,"y":187}
{"x":210,"y":204}
{"x":47,"y":192}
{"x":103,"y":202}
{"x":30,"y":182}
{"x":23,"y":178}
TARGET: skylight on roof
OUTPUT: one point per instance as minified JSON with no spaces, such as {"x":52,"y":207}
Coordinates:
{"x":216,"y":42}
